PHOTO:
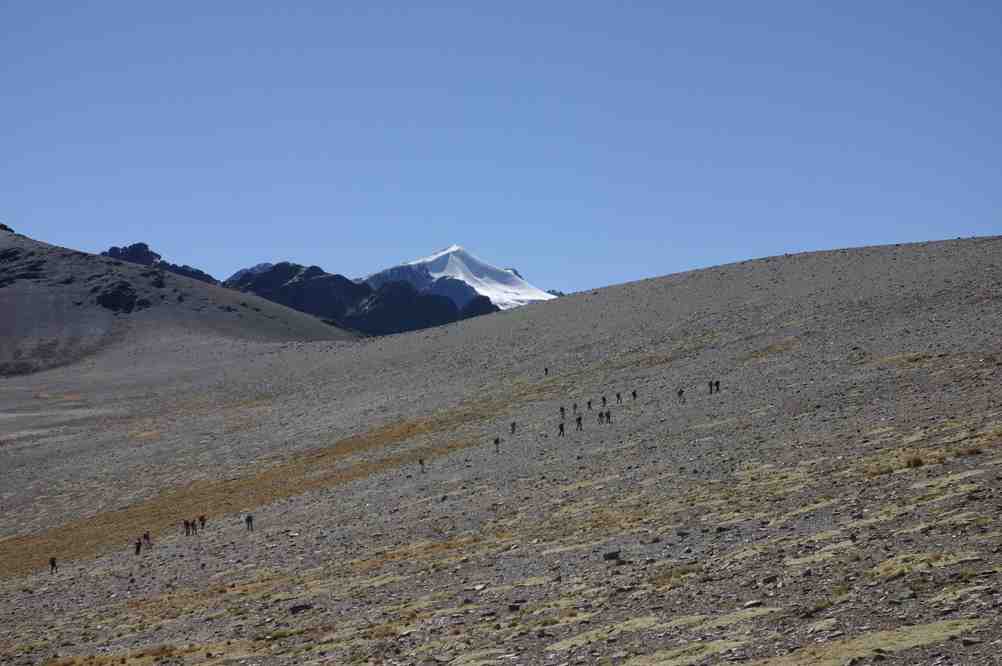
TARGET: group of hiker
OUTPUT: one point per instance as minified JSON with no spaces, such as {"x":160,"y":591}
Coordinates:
{"x":193,"y":526}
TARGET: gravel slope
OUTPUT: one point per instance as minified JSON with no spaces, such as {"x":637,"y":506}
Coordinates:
{"x":836,"y":501}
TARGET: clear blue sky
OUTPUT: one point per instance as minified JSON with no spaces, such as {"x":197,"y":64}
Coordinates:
{"x":584,"y":143}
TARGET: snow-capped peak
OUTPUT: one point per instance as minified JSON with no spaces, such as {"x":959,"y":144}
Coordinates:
{"x":505,"y":288}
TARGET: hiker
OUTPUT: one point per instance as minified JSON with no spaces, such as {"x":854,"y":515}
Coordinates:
{"x":681,"y":396}
{"x":634,"y":394}
{"x":513,"y":427}
{"x":139,"y":546}
{"x":711,"y":387}
{"x":187,"y":528}
{"x":421,"y":462}
{"x":589,"y":405}
{"x":546,"y":372}
{"x":574,"y":408}
{"x":497,"y":445}
{"x":194,"y":527}
{"x":249,"y":520}
{"x":578,"y":421}
{"x":560,"y":429}
{"x":608,"y":416}
{"x":201,"y":521}
{"x":53,"y":567}
{"x":146,"y":539}
{"x":717,"y":384}
{"x":601,"y":417}
{"x":619,"y":398}
{"x":562,"y":410}
{"x":603,"y":401}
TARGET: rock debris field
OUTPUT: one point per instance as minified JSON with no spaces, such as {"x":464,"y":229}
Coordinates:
{"x":836,"y":502}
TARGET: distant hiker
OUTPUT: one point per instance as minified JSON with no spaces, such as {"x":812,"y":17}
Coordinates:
{"x":546,"y":372}
{"x":139,"y":546}
{"x":601,"y":417}
{"x":201,"y":521}
{"x":194,"y":527}
{"x":608,"y":416}
{"x":619,"y":398}
{"x":578,"y":421}
{"x":634,"y":394}
{"x":711,"y":388}
{"x":146,"y":539}
{"x":560,"y":429}
{"x":187,"y":528}
{"x":497,"y":445}
{"x":562,"y":410}
{"x":513,"y":427}
{"x":589,"y":405}
{"x":249,"y":520}
{"x":53,"y":567}
{"x":420,"y":461}
{"x":603,"y":401}
{"x":681,"y":396}
{"x":574,"y":408}
{"x":717,"y":384}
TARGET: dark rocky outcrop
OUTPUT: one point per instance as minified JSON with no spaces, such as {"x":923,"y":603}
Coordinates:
{"x":480,"y":305}
{"x":121,"y":297}
{"x":137,"y":253}
{"x":4,"y":227}
{"x":397,"y":307}
{"x":140,"y":253}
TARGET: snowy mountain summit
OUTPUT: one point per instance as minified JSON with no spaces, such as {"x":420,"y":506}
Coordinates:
{"x":456,"y":273}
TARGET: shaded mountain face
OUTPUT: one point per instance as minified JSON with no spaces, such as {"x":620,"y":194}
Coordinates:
{"x":480,"y":305}
{"x":259,"y":268}
{"x":504,"y":287}
{"x":307,"y":289}
{"x":397,"y":307}
{"x":140,"y":253}
{"x":389,"y":306}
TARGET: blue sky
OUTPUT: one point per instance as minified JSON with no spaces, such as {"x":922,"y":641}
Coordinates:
{"x":583,"y":143}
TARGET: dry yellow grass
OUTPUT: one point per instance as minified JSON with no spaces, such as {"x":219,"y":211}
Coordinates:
{"x":312,"y":470}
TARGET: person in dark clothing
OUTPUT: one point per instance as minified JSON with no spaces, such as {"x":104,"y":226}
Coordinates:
{"x":201,"y":522}
{"x":139,"y":546}
{"x":608,"y":416}
{"x":717,"y":385}
{"x":603,"y":401}
{"x":562,"y":411}
{"x":249,"y":520}
{"x":187,"y":528}
{"x":589,"y":405}
{"x":53,"y":567}
{"x":513,"y":427}
{"x":711,"y":388}
{"x":681,"y":396}
{"x":497,"y":445}
{"x":578,"y":421}
{"x":560,"y":429}
{"x":619,"y":398}
{"x":146,"y":539}
{"x":634,"y":394}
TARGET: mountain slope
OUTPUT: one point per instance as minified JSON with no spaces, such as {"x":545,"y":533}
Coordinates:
{"x":59,"y":305}
{"x":505,"y":288}
{"x":835,"y":502}
{"x":307,"y":289}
